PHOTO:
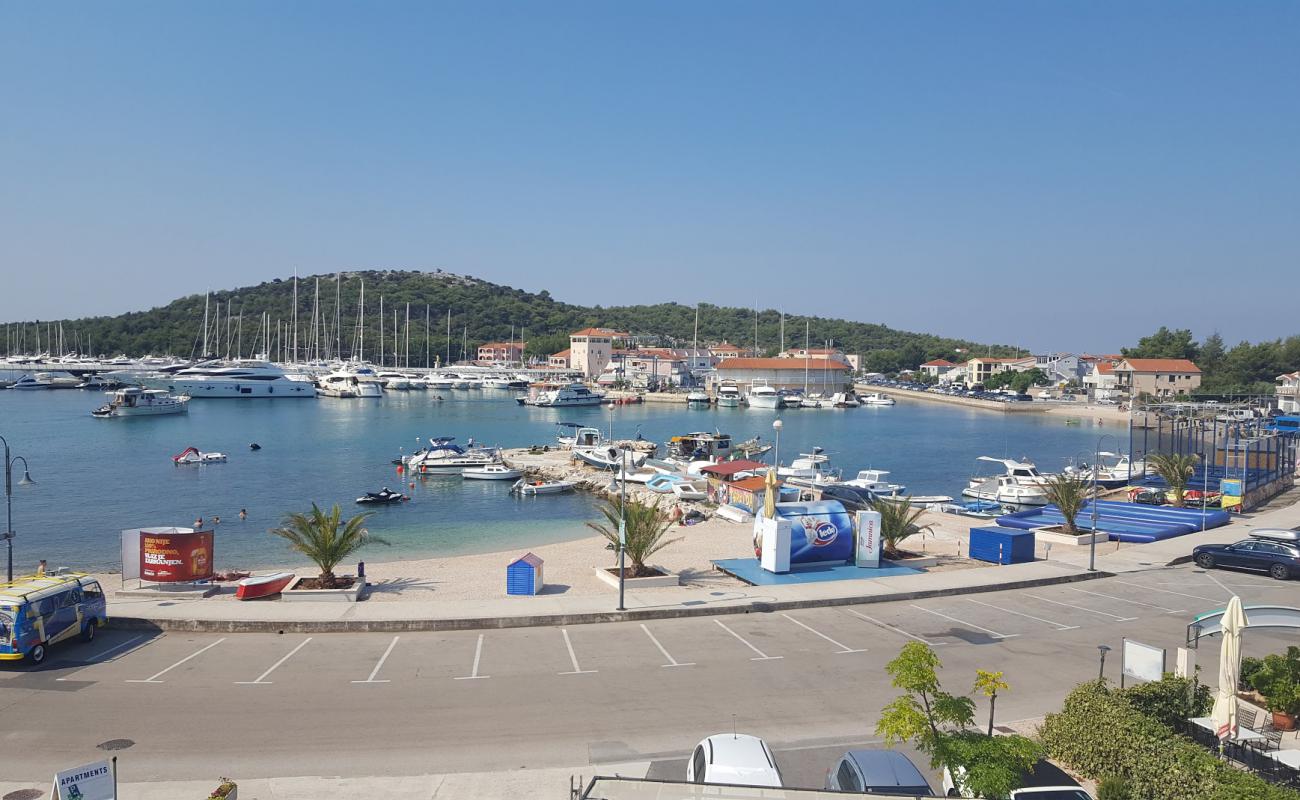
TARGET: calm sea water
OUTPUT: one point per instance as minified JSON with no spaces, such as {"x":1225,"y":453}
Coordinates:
{"x":96,"y":477}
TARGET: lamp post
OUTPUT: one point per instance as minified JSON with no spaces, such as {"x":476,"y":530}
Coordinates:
{"x":1101,"y":670}
{"x":1092,"y":545}
{"x":1205,"y":485}
{"x":776,"y":426}
{"x":26,"y":480}
{"x":622,"y":512}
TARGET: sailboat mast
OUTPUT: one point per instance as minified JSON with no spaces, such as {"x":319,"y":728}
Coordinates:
{"x":448,"y":361}
{"x":406,"y":342}
{"x":805,"y":357}
{"x":381,"y":330}
{"x":207,"y":297}
{"x":338,"y":314}
{"x":361,"y":324}
{"x":426,"y":335}
{"x":294,"y":355}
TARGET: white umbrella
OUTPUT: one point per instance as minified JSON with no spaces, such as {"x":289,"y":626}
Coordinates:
{"x":1224,"y":715}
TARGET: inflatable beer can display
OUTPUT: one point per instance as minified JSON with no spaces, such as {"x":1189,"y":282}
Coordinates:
{"x":821,"y":532}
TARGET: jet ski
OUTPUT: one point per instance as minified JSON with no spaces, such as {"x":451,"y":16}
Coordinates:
{"x":384,"y":495}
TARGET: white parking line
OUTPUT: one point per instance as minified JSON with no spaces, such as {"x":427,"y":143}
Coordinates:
{"x":478,"y":654}
{"x":1126,"y":600}
{"x":1167,"y":591}
{"x":1221,"y":586}
{"x":380,"y":665}
{"x":1059,"y":626}
{"x":989,"y":631}
{"x":672,"y":662}
{"x":154,"y":678}
{"x":761,"y":655}
{"x":843,"y":648}
{"x":91,"y":661}
{"x":287,"y":656}
{"x":577,"y":670}
{"x":1081,"y":608}
{"x":895,"y":629}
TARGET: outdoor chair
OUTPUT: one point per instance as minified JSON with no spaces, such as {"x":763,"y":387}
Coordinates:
{"x":1246,"y":717}
{"x":1272,"y":740}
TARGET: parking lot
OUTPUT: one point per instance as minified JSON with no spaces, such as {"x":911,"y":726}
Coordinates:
{"x":804,"y":679}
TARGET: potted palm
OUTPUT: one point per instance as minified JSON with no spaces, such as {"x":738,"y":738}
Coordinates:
{"x":327,"y":539}
{"x":899,"y":522}
{"x":1174,"y":469}
{"x":1068,"y":493}
{"x":645,"y":527}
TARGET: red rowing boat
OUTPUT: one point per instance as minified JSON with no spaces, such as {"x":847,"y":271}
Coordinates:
{"x":262,"y":585}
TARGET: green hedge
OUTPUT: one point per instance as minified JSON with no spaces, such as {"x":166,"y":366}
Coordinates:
{"x":1099,"y":732}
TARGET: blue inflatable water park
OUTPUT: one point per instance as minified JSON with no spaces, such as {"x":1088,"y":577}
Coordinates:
{"x":1124,"y":522}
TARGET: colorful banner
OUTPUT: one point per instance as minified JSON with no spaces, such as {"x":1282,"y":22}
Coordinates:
{"x":176,"y":557}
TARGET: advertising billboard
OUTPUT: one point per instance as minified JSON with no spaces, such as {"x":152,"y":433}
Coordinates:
{"x":820,"y":532}
{"x":172,"y":557}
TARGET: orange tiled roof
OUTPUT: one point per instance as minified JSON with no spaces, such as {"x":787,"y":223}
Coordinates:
{"x":1161,"y":365}
{"x":600,"y":332}
{"x":562,"y":354}
{"x":507,"y":345}
{"x":939,"y":362}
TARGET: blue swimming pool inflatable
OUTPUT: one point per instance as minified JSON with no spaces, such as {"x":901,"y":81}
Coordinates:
{"x":1124,"y":522}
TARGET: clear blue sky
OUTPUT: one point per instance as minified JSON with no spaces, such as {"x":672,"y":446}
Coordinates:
{"x":1053,"y":174}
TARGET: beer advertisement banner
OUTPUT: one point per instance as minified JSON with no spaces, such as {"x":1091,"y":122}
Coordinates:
{"x":176,"y":557}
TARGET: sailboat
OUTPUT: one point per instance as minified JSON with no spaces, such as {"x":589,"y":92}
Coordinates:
{"x":697,"y":396}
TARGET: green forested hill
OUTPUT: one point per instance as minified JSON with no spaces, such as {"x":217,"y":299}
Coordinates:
{"x":480,"y":312}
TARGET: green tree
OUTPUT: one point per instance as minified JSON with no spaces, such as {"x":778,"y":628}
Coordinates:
{"x":645,"y":528}
{"x":939,"y":724}
{"x":989,"y":684}
{"x":326,"y":538}
{"x":898,"y":521}
{"x":1175,"y":469}
{"x":1164,"y":343}
{"x":1068,"y":493}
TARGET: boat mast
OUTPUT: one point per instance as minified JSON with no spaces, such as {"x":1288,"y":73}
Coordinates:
{"x":805,"y":357}
{"x":228,"y":305}
{"x":695,"y":344}
{"x":338,"y":315}
{"x":361,"y":323}
{"x":315,"y":322}
{"x":207,"y":296}
{"x":406,"y":340}
{"x":426,"y":335}
{"x":294,"y":355}
{"x":448,"y":361}
{"x":381,"y":330}
{"x":239,"y":338}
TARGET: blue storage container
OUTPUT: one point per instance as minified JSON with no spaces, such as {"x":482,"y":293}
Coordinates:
{"x":999,"y":545}
{"x":524,"y":575}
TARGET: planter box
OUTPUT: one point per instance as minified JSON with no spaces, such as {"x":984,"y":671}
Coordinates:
{"x":293,"y":594}
{"x":654,"y":582}
{"x":1055,"y":535}
{"x":915,"y":562}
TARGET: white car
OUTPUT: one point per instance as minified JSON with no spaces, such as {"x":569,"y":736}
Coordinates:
{"x":733,"y":758}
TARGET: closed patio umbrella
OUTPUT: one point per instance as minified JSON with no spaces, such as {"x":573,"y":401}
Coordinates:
{"x":1224,"y":715}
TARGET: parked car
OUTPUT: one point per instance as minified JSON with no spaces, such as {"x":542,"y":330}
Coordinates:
{"x":1272,"y":550}
{"x":1046,"y":782}
{"x":733,"y":758}
{"x":1147,"y":496}
{"x":877,"y":772}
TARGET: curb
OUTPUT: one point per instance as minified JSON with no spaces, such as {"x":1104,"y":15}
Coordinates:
{"x":549,"y":620}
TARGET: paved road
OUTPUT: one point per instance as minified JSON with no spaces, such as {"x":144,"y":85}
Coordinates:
{"x":810,"y":681}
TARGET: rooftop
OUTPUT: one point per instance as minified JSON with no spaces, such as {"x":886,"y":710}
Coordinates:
{"x":1161,"y":365}
{"x":782,"y":363}
{"x":732,"y":467}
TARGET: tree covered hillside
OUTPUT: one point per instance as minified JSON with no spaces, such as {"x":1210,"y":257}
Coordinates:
{"x":480,"y":312}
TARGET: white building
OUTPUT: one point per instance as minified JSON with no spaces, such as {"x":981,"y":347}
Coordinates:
{"x":819,"y":374}
{"x":1288,"y":393}
{"x":591,"y":349}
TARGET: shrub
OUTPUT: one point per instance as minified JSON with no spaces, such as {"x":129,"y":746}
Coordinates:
{"x":1113,"y":788}
{"x":1250,"y":667}
{"x":1099,"y":732}
{"x":1171,"y":700}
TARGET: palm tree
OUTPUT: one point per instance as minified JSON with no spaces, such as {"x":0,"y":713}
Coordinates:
{"x":1067,"y":493}
{"x":897,"y":522}
{"x":325,"y":538}
{"x":1174,"y":469}
{"x":645,"y":528}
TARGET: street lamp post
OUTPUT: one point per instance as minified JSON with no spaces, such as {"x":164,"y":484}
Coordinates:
{"x":1096,"y":461}
{"x":1101,"y":671}
{"x":622,"y":513}
{"x":1205,"y":485}
{"x":776,"y":426}
{"x":26,"y":480}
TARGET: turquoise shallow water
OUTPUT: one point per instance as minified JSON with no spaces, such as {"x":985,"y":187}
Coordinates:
{"x":96,"y":477}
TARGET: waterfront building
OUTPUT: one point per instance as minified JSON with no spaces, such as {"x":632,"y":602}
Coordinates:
{"x":559,"y":360}
{"x":939,"y":367}
{"x":1157,"y":377}
{"x":1102,"y":383}
{"x":784,"y":373}
{"x":500,"y":353}
{"x":723,"y":351}
{"x":591,"y":349}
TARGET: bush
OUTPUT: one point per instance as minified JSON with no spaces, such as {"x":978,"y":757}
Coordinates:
{"x":1100,"y":732}
{"x":1250,"y":667}
{"x":1171,"y":700}
{"x":1113,"y":788}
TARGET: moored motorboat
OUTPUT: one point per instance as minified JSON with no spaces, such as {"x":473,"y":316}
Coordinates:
{"x":698,"y":397}
{"x":728,"y":395}
{"x":492,"y":472}
{"x":876,"y":399}
{"x":256,"y":586}
{"x":526,"y":488}
{"x":136,"y":402}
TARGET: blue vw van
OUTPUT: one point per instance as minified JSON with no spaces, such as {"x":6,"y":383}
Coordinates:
{"x":36,"y":612}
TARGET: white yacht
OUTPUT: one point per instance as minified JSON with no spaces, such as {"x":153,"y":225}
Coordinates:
{"x":1024,"y":472}
{"x":442,"y":457}
{"x":728,"y":395}
{"x":876,"y":481}
{"x":29,"y":382}
{"x":569,"y":396}
{"x":435,"y":380}
{"x":350,"y":383}
{"x":877,"y":399}
{"x":697,"y":397}
{"x":497,"y":382}
{"x":136,"y":402}
{"x":763,"y":396}
{"x":220,"y":379}
{"x":1021,"y":484}
{"x":809,"y":468}
{"x":394,"y":380}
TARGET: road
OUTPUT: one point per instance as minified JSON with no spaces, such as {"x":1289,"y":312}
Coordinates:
{"x":809,"y":681}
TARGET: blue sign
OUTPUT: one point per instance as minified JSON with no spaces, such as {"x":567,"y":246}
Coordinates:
{"x":820,"y":532}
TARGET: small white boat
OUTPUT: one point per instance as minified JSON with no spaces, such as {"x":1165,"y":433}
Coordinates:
{"x":877,"y":399}
{"x":847,"y":400}
{"x":1006,"y":490}
{"x":253,"y":587}
{"x":492,"y":472}
{"x":526,"y":488}
{"x":395,"y":381}
{"x":876,"y":481}
{"x":436,"y":381}
{"x":728,"y":395}
{"x":691,"y":490}
{"x":136,"y":402}
{"x":607,"y":457}
{"x":192,"y":455}
{"x":497,"y":382}
{"x":812,"y":401}
{"x":926,"y":500}
{"x":698,"y":397}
